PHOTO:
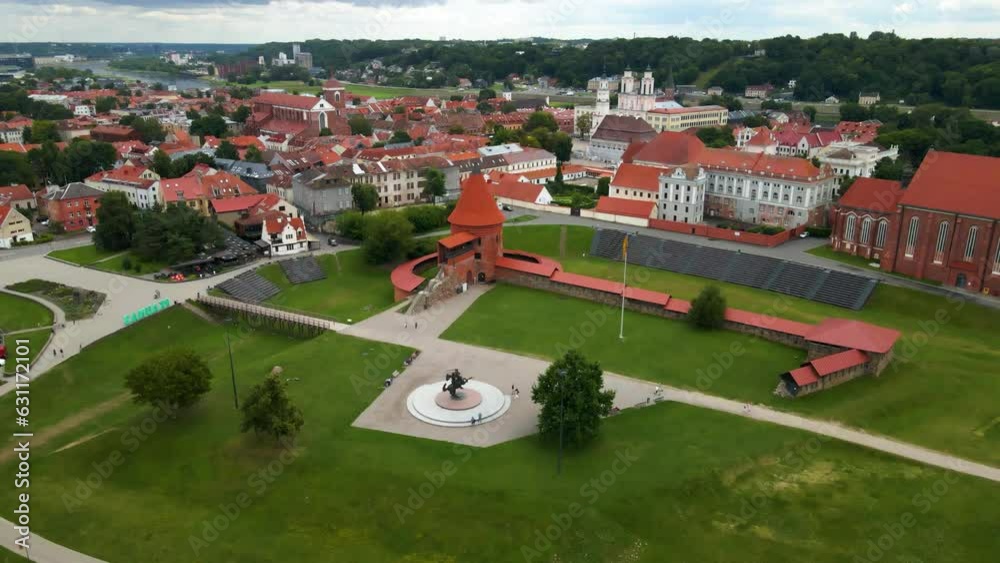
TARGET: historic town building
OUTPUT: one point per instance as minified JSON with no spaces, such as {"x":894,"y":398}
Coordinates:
{"x":943,"y":227}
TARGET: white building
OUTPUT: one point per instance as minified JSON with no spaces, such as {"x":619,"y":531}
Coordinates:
{"x":848,"y":158}
{"x":139,"y":184}
{"x":285,"y":236}
{"x":14,"y":227}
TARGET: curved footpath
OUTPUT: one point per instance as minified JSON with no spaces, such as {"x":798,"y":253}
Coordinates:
{"x":126,"y":295}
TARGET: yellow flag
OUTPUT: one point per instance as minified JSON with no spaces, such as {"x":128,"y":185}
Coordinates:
{"x":625,"y":248}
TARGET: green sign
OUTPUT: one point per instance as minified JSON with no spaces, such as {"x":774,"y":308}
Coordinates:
{"x":146,"y":311}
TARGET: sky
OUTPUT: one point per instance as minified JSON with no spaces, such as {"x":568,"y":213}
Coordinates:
{"x":260,"y":21}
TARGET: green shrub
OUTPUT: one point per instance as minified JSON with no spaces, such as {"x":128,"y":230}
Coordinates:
{"x":821,"y":232}
{"x":126,"y":263}
{"x":708,"y":310}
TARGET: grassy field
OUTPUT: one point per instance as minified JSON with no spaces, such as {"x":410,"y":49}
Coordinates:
{"x":82,"y":255}
{"x":18,"y":313}
{"x":666,"y":482}
{"x":858,"y":261}
{"x":940,"y":392}
{"x":77,"y":303}
{"x":36,"y":339}
{"x":353,"y":289}
{"x":117,"y":265}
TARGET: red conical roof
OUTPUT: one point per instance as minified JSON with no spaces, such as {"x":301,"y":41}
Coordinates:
{"x":475,"y":207}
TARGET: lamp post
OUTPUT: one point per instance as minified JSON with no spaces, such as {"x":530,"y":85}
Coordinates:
{"x":562,"y":412}
{"x":232,"y":367}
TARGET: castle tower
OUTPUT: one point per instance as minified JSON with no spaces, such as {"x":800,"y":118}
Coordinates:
{"x":470,"y":253}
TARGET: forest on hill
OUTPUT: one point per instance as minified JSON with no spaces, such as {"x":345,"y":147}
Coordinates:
{"x":958,"y":72}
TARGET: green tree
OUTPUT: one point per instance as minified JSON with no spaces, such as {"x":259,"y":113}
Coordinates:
{"x":583,"y":123}
{"x":253,"y":154}
{"x":604,"y":185}
{"x":388,"y":237}
{"x":484,"y":107}
{"x":177,"y":378}
{"x":240,"y":114}
{"x":456,"y":129}
{"x":487,"y":94}
{"x":211,"y":124}
{"x":365,"y":197}
{"x":811,"y":112}
{"x":162,"y":164}
{"x":851,"y":111}
{"x":84,"y":157}
{"x":148,"y":129}
{"x":359,"y":125}
{"x":888,"y":169}
{"x":434,"y":183}
{"x":227,"y":150}
{"x":268,"y":409}
{"x":571,"y":395}
{"x":399,"y":137}
{"x":115,"y":222}
{"x":561,"y":145}
{"x":351,"y":224}
{"x":508,"y":107}
{"x":42,"y":131}
{"x":15,"y":168}
{"x":708,"y":310}
{"x":105,"y":104}
{"x":325,"y":132}
{"x":541,"y":119}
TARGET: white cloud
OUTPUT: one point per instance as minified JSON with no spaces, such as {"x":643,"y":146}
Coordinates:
{"x":258,"y":21}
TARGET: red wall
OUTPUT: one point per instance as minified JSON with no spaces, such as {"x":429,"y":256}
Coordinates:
{"x":67,"y":211}
{"x":756,"y":239}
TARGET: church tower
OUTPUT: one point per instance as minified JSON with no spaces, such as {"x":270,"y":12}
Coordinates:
{"x":603,"y":96}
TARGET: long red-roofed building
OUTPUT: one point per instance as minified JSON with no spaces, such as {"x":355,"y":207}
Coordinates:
{"x":943,"y":227}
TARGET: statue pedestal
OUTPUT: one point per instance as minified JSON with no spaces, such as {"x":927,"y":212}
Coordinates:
{"x":466,"y":399}
{"x":477,"y":399}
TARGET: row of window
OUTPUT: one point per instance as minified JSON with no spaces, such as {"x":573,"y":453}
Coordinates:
{"x":969,"y":251}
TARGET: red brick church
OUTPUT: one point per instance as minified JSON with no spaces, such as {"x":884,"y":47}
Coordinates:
{"x":943,"y":227}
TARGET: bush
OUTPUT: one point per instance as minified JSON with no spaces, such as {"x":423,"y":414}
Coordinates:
{"x":351,"y":225}
{"x":387,"y":237}
{"x":56,"y":228}
{"x":126,"y":263}
{"x":708,"y":310}
{"x":821,"y":232}
{"x":422,"y":247}
{"x":426,"y":218}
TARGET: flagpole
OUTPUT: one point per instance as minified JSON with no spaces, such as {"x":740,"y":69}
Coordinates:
{"x":621,"y":329}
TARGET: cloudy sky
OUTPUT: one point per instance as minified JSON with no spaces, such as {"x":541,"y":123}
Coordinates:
{"x":258,"y":21}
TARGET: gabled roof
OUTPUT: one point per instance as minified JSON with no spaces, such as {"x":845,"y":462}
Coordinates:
{"x":17,"y":192}
{"x":638,"y":177}
{"x":239,"y":203}
{"x":853,"y":334}
{"x":510,"y":188}
{"x":959,"y":183}
{"x":287,"y":100}
{"x":4,"y":212}
{"x":832,"y":363}
{"x":475,"y":206}
{"x":74,"y":190}
{"x":627,"y":207}
{"x":873,"y":194}
{"x":623,"y":129}
{"x":671,"y":148}
{"x":456,"y":240}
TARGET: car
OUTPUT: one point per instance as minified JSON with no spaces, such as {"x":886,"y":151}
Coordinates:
{"x":91,"y":229}
{"x":804,"y":235}
{"x":332,"y":242}
{"x":507,"y":207}
{"x":43,"y":222}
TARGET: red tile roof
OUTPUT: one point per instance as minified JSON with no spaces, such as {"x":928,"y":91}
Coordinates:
{"x":588,"y":282}
{"x":276,"y":226}
{"x":17,"y":192}
{"x":767,"y":322}
{"x":286,"y":100}
{"x":233,"y":204}
{"x":647,"y":296}
{"x":403,"y":277}
{"x":456,"y":240}
{"x":4,"y":212}
{"x":544,"y":269}
{"x":475,"y":206}
{"x":510,"y":188}
{"x":670,"y":148}
{"x":639,"y":177}
{"x":959,"y":183}
{"x":835,"y":362}
{"x":853,"y":334}
{"x":627,"y":207}
{"x":804,"y":375}
{"x":873,"y":194}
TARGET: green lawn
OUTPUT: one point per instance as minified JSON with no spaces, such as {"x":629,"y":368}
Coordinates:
{"x":82,"y":255}
{"x":353,"y":289}
{"x":940,"y":392}
{"x":117,"y":265}
{"x":36,"y":339}
{"x":859,"y":262}
{"x":521,"y":219}
{"x":18,"y":313}
{"x":654,"y":348}
{"x":698,"y":486}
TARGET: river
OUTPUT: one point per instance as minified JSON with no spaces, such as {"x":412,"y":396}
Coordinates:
{"x":101,"y":68}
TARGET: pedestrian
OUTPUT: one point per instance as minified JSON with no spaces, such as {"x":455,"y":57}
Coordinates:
{"x":480,"y":418}
{"x":54,"y":353}
{"x":415,"y":325}
{"x":472,"y":421}
{"x":406,"y":324}
{"x":61,"y":353}
{"x":511,"y":390}
{"x":517,"y":393}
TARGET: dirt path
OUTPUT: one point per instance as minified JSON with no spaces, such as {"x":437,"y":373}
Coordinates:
{"x":67,"y":424}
